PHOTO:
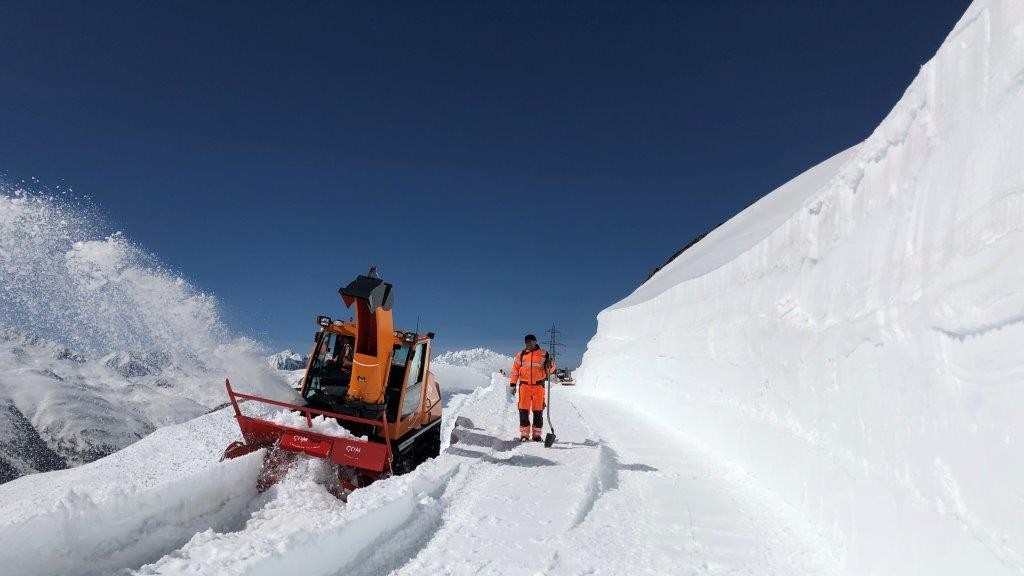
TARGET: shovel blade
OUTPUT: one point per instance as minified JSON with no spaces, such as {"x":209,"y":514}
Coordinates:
{"x":549,"y":439}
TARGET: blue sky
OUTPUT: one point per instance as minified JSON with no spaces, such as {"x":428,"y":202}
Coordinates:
{"x":507,"y":165}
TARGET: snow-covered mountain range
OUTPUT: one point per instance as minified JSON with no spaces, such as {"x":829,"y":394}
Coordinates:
{"x":68,"y":410}
{"x":62,"y":408}
{"x":287,"y":360}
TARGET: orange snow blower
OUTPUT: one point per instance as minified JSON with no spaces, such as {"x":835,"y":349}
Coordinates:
{"x":373,"y":380}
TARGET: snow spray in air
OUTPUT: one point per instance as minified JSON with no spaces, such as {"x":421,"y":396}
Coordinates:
{"x":65,"y":278}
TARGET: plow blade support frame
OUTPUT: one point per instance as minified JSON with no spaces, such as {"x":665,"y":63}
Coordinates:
{"x":350,"y":452}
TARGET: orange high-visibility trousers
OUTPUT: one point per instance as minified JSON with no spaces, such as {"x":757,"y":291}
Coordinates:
{"x":531,"y":399}
{"x":531,"y":396}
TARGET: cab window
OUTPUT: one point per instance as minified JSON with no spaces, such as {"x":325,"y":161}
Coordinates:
{"x":332,"y":363}
{"x":413,"y":381}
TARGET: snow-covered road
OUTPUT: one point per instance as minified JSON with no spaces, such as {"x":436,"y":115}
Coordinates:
{"x":616,"y":494}
{"x":660,"y":504}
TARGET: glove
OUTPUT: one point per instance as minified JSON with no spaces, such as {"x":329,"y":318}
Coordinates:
{"x":512,"y":389}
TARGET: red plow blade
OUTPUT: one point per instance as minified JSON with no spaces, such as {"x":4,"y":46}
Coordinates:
{"x":355,"y":458}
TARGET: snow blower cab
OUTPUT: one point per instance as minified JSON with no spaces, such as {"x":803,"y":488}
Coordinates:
{"x":372,"y":380}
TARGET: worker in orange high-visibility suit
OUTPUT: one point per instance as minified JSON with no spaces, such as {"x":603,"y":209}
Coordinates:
{"x":530,"y":370}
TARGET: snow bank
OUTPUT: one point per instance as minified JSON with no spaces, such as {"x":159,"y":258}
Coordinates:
{"x":131,"y":507}
{"x":304,"y":530}
{"x":301,"y":528}
{"x":465,"y":376}
{"x":860,"y":354}
{"x":463,"y":371}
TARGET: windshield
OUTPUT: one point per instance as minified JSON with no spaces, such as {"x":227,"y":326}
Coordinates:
{"x":331,"y":369}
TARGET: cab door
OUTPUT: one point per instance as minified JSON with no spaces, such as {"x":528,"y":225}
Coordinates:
{"x":412,"y":392}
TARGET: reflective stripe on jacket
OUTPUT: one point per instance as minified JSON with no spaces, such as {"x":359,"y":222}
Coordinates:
{"x":529,"y":366}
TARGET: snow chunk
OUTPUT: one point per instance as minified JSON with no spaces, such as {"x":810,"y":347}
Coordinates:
{"x":320,"y":424}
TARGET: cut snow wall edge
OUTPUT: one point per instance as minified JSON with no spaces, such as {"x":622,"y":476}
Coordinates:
{"x":772,"y":210}
{"x":860,"y":359}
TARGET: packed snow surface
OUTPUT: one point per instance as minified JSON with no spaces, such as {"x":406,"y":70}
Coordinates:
{"x":854,"y":339}
{"x":602,"y":500}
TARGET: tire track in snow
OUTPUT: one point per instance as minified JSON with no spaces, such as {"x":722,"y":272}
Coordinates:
{"x":465,"y":432}
{"x":473,"y":473}
{"x":603,"y":478}
{"x":511,"y":501}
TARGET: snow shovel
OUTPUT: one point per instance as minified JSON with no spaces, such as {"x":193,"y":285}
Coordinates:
{"x":549,"y":438}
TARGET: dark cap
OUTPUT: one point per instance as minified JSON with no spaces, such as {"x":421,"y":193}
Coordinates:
{"x":530,"y":337}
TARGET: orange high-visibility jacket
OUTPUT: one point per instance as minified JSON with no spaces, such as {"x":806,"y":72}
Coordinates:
{"x":529,"y":366}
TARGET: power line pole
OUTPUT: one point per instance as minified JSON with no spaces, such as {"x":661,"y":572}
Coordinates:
{"x":553,"y":343}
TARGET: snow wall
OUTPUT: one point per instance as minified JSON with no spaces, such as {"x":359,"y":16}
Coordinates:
{"x":854,"y":339}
